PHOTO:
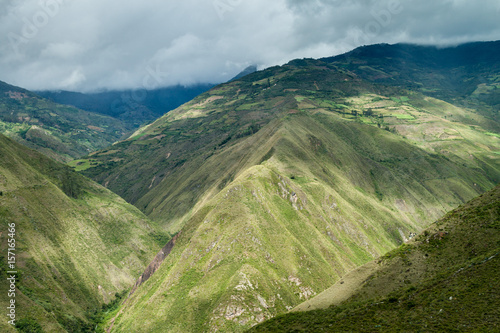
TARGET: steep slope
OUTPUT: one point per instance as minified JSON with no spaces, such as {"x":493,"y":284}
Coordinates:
{"x":282,"y":182}
{"x":76,"y":243}
{"x":58,"y":131}
{"x":446,"y":279}
{"x":166,"y":168}
{"x":466,"y":75}
{"x":249,"y":70}
{"x":133,"y":107}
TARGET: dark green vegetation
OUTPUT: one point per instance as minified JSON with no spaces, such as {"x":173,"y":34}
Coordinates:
{"x":58,"y":131}
{"x":285,"y":180}
{"x":133,"y":107}
{"x":249,"y":70}
{"x":446,"y":280}
{"x":77,"y":244}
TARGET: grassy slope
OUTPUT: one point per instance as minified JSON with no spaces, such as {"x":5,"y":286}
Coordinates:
{"x":467,"y":74}
{"x":205,"y":131}
{"x":58,"y":131}
{"x":324,"y":192}
{"x":77,"y":243}
{"x":447,"y":279}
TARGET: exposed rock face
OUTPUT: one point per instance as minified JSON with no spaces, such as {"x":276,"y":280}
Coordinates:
{"x":155,"y":264}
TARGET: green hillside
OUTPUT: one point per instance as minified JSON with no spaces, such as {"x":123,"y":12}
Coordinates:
{"x":466,"y":75}
{"x":58,"y":131}
{"x":167,"y":167}
{"x":77,"y":244}
{"x":445,"y":280}
{"x":282,"y":182}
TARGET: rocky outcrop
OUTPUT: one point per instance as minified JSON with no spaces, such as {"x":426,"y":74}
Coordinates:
{"x":155,"y":264}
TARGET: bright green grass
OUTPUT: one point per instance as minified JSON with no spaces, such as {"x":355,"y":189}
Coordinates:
{"x":248,"y":106}
{"x":82,"y":165}
{"x":493,"y":134}
{"x":253,"y":227}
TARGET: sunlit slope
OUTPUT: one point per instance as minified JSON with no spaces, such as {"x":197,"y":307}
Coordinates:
{"x":447,"y":279}
{"x":467,"y":75}
{"x":165,"y":169}
{"x":77,"y":244}
{"x":283,"y":181}
{"x":325,"y":195}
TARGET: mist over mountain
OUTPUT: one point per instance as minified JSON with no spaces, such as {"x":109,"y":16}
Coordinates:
{"x":249,"y":70}
{"x":92,"y":45}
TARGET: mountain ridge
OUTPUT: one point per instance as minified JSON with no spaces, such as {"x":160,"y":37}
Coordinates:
{"x":78,"y":246}
{"x":444,"y":279}
{"x":61,"y":132}
{"x":465,"y":74}
{"x":133,"y":107}
{"x":254,"y":169}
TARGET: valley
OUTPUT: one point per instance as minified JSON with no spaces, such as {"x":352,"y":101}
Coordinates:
{"x":263,"y":192}
{"x":78,"y":246}
{"x":282,"y":182}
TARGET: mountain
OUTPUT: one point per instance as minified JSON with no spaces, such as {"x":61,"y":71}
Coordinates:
{"x":445,"y":280}
{"x":249,"y":70}
{"x":466,"y":74}
{"x":283,"y":181}
{"x":58,"y":131}
{"x":77,"y":245}
{"x":134,"y":107}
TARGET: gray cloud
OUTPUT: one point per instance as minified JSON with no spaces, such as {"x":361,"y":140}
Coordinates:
{"x":90,"y":45}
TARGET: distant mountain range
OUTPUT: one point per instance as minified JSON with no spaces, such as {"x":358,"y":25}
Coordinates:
{"x":133,"y":107}
{"x":69,"y":130}
{"x":59,"y":131}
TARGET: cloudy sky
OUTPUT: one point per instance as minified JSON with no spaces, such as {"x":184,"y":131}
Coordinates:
{"x":87,"y":45}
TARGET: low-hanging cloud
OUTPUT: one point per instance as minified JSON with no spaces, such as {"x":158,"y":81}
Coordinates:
{"x":93,"y":45}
